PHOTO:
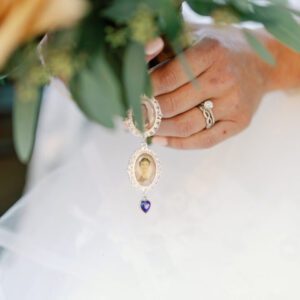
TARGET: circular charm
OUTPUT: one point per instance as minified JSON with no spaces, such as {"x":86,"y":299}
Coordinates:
{"x":144,"y":169}
{"x":152,"y":118}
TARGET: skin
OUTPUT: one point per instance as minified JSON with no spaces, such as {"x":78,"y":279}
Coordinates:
{"x":233,"y":77}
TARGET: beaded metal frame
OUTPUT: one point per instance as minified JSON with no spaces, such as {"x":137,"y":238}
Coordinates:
{"x":131,"y":168}
{"x":129,"y":121}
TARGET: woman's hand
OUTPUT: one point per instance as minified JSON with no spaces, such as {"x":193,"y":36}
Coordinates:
{"x":234,"y":78}
{"x":153,"y":48}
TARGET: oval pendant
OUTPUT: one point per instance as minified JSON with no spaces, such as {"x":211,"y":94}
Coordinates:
{"x":144,"y":169}
{"x":152,"y":118}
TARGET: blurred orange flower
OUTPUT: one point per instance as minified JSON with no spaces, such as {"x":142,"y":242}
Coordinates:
{"x":20,"y":20}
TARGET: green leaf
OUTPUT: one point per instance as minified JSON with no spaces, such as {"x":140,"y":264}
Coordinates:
{"x":97,"y":92}
{"x":121,"y":11}
{"x":170,"y":20}
{"x":135,"y":79}
{"x":188,"y":70}
{"x":2,"y":78}
{"x":242,"y":6}
{"x":295,"y":12}
{"x":259,"y":48}
{"x":281,"y":2}
{"x":6,"y":97}
{"x":280,"y":23}
{"x":203,"y":7}
{"x":25,"y":120}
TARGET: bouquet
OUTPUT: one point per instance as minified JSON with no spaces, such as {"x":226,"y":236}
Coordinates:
{"x":97,"y":48}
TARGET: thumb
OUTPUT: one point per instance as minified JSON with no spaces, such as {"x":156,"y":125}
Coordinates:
{"x":153,"y":48}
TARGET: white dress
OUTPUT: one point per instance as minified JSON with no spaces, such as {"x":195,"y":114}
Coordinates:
{"x":224,"y":222}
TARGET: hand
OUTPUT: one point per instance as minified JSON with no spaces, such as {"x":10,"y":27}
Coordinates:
{"x":233,"y":78}
{"x":153,"y":48}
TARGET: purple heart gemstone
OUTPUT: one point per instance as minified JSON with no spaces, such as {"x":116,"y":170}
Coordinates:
{"x":145,"y":205}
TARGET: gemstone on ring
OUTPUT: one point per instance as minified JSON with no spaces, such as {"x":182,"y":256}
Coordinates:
{"x":208,"y":104}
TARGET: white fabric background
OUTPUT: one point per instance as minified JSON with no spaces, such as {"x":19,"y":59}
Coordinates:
{"x":224,"y":223}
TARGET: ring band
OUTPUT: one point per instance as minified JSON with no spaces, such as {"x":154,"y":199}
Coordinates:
{"x":206,"y":108}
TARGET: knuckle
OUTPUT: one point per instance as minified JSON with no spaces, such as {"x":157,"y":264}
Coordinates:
{"x":169,"y":106}
{"x":222,"y":78}
{"x":167,"y":79}
{"x":235,"y":104}
{"x":220,"y":51}
{"x":177,"y":143}
{"x":213,"y":44}
{"x":185,"y":127}
{"x":208,"y":141}
{"x":230,"y":77}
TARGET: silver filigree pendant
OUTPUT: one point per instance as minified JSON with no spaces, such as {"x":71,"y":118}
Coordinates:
{"x":144,"y":167}
{"x":152,"y":118}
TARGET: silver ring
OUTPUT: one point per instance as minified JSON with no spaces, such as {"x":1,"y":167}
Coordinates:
{"x":206,"y":108}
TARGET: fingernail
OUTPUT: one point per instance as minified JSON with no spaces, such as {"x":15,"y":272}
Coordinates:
{"x":154,"y":46}
{"x":159,"y":140}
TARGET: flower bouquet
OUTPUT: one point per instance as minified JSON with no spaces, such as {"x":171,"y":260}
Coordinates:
{"x":97,"y":48}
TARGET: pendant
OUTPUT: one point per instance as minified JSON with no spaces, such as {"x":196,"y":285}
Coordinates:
{"x":144,"y":171}
{"x":152,"y":118}
{"x":144,"y":167}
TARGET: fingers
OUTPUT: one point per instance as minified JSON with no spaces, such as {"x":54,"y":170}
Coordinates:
{"x":191,"y":121}
{"x":190,"y":95}
{"x":201,"y":140}
{"x":183,"y":125}
{"x":172,"y":75}
{"x":153,"y":48}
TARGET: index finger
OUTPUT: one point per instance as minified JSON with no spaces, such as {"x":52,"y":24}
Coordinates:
{"x":173,"y":75}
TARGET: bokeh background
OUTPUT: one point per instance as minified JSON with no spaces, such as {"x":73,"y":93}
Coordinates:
{"x":12,"y":172}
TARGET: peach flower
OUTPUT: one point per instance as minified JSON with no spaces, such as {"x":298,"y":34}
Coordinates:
{"x":20,"y":20}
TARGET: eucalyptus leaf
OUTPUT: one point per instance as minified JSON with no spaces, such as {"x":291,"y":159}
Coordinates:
{"x":259,"y":48}
{"x":6,"y":97}
{"x":121,"y":11}
{"x":25,"y":120}
{"x":135,"y":79}
{"x":97,"y":92}
{"x":188,"y":70}
{"x":203,"y":7}
{"x":149,"y":87}
{"x":2,"y":77}
{"x":280,"y":2}
{"x":242,"y":5}
{"x":170,"y":20}
{"x":295,"y":12}
{"x":280,"y":23}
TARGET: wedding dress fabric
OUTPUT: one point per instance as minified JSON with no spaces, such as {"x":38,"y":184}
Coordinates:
{"x":224,"y":222}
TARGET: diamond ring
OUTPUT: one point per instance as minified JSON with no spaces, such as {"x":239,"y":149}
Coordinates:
{"x":206,"y":108}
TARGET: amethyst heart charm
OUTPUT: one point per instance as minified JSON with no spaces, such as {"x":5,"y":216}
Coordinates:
{"x":145,"y":205}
